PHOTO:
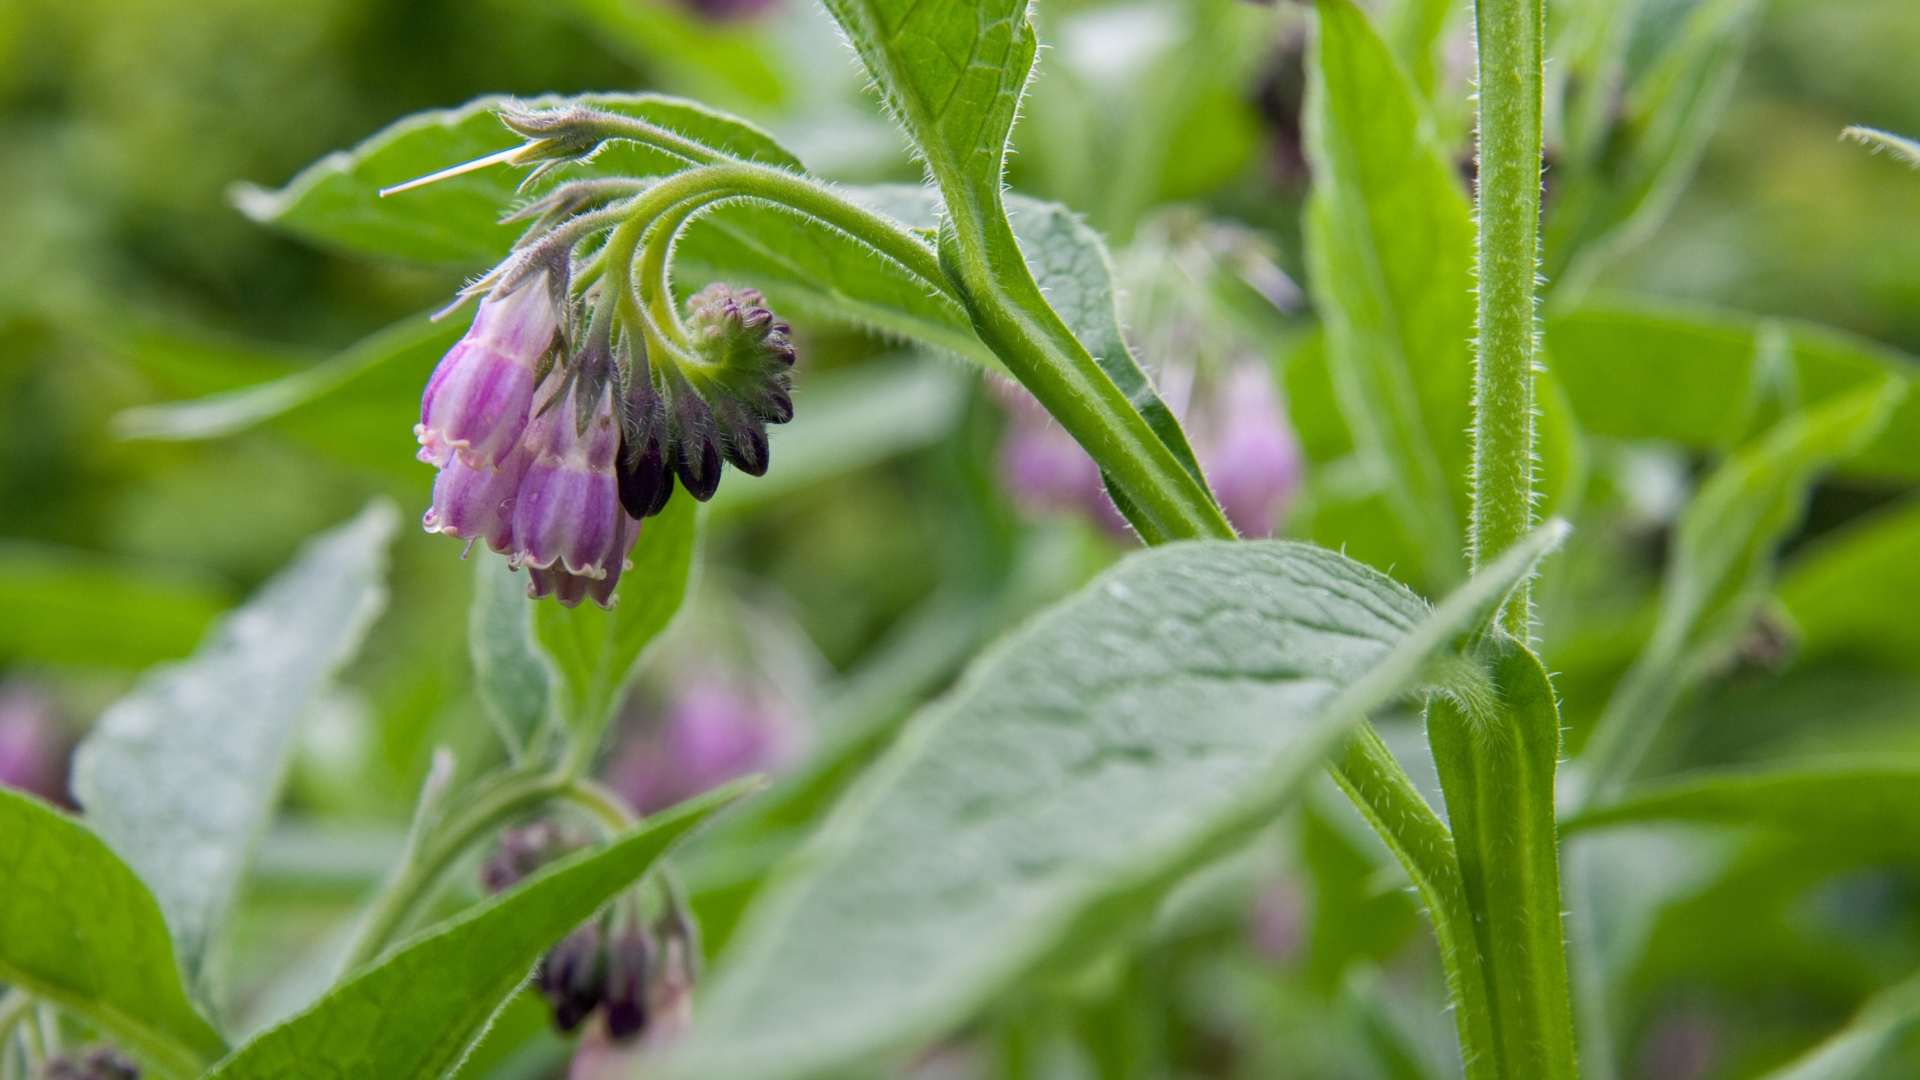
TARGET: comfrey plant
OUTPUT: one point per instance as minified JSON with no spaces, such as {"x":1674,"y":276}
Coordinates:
{"x":992,"y":878}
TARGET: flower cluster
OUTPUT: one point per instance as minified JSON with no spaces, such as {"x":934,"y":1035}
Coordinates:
{"x":568,"y":412}
{"x":99,"y":1063}
{"x":714,"y":730}
{"x":634,"y":976}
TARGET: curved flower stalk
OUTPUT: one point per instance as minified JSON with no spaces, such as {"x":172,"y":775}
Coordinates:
{"x":582,"y":397}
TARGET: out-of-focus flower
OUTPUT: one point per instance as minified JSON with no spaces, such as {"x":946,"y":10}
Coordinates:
{"x":99,"y":1063}
{"x":1277,"y":924}
{"x":713,"y":731}
{"x":33,"y":749}
{"x":1238,"y":429}
{"x":730,"y":10}
{"x":572,"y":976}
{"x":519,"y":852}
{"x":476,"y":402}
{"x":1044,"y":468}
{"x":1247,"y":449}
{"x":629,"y":961}
{"x":1684,"y":1043}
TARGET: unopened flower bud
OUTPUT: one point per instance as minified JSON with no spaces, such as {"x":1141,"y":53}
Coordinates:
{"x":476,"y":402}
{"x":670,"y":990}
{"x":572,"y":977}
{"x":629,"y":960}
{"x":100,"y":1063}
{"x":522,"y":851}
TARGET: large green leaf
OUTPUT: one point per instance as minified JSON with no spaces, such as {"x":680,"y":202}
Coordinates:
{"x":1866,"y":802}
{"x":1390,"y":240}
{"x":952,"y":75}
{"x":78,"y":928}
{"x":413,"y":1013}
{"x":693,"y":54}
{"x":596,"y":652}
{"x":1854,"y":596}
{"x":182,"y":774}
{"x":1860,"y":1050}
{"x":337,"y":202}
{"x":83,"y":608}
{"x":1704,"y":378}
{"x":1165,"y":710}
{"x":510,"y":675}
{"x":1720,"y":567}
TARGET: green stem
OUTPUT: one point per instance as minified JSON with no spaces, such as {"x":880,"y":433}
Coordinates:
{"x":1373,"y":779}
{"x":1014,"y":319}
{"x":439,"y":840}
{"x":1510,"y":35}
{"x":1496,"y":760}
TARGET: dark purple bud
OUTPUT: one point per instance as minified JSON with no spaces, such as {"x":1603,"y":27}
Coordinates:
{"x":522,"y":851}
{"x":698,"y":467}
{"x":628,"y":963}
{"x":670,"y":989}
{"x":33,"y":747}
{"x":476,"y":402}
{"x":778,"y":405}
{"x":645,"y":481}
{"x":567,"y":513}
{"x":99,"y":1063}
{"x":477,"y":503}
{"x":572,"y":976}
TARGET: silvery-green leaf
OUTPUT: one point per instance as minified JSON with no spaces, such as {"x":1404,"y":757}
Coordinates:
{"x":181,"y":776}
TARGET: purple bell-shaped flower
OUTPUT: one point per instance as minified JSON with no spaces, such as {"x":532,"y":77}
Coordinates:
{"x":476,"y":402}
{"x":567,"y":512}
{"x":1248,"y":450}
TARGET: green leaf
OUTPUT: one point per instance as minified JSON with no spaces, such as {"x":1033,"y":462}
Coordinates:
{"x":596,"y":652}
{"x":1165,"y":710}
{"x":78,"y":928}
{"x":1720,"y":567}
{"x":1858,"y":1051}
{"x":952,"y":75}
{"x":77,"y":607}
{"x":1390,"y":243}
{"x":1496,"y":759}
{"x":182,"y":775}
{"x":1866,"y":802}
{"x":336,"y":200}
{"x":1631,"y":150}
{"x":1705,"y":379}
{"x":1853,"y":597}
{"x":510,"y":675}
{"x":692,"y":53}
{"x":354,"y":385}
{"x":413,"y":1013}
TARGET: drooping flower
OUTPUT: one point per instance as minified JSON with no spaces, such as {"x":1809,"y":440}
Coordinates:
{"x":629,"y":962}
{"x":477,"y":400}
{"x":472,"y":503}
{"x":567,"y":510}
{"x":713,"y":731}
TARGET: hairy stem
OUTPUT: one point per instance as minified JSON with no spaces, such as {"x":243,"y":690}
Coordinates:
{"x":1373,"y":779}
{"x":1510,"y":34}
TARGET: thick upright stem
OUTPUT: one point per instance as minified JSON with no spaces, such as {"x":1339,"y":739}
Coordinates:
{"x":1510,"y":34}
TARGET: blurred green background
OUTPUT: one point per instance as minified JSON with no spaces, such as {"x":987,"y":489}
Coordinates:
{"x":861,"y":582}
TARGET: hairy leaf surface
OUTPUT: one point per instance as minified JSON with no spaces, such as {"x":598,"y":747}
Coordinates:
{"x":1128,"y":732}
{"x":182,"y":775}
{"x":512,"y":678}
{"x":413,"y":1013}
{"x":78,"y":928}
